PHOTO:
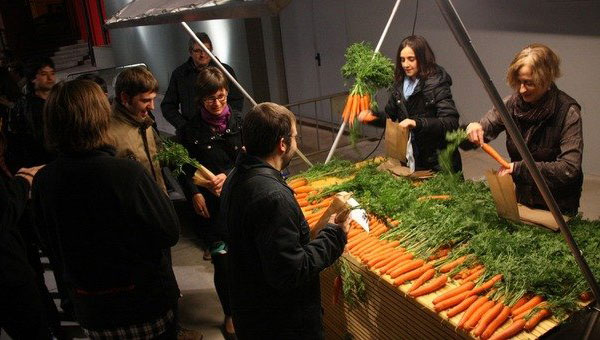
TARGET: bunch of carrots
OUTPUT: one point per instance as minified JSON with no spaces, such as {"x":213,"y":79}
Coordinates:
{"x":355,"y":104}
{"x":312,"y":210}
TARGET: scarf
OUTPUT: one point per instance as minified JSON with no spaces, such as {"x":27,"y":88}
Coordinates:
{"x":218,"y":123}
{"x":534,"y":113}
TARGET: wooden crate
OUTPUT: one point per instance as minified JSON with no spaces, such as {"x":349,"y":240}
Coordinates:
{"x":389,"y":313}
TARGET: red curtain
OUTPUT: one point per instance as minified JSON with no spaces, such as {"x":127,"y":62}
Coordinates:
{"x":92,"y":13}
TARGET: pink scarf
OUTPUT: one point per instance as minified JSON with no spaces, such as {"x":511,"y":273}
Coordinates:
{"x":219,"y":123}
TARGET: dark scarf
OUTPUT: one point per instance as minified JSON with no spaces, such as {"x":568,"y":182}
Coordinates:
{"x":534,"y":113}
{"x":218,"y":123}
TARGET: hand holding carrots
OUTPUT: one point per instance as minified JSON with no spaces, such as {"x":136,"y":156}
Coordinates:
{"x":504,"y":171}
{"x":217,"y":183}
{"x":475,"y":133}
{"x":366,"y":116}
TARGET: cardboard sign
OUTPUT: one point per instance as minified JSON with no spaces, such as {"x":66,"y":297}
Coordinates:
{"x":396,"y":139}
{"x":505,"y":198}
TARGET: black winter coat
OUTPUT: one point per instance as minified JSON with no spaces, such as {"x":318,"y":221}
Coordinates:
{"x":113,"y":228}
{"x":14,"y":266}
{"x":431,"y":106}
{"x":182,"y":91}
{"x":274,"y":266}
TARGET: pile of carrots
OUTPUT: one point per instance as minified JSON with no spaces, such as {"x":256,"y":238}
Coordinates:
{"x":355,"y":104}
{"x":482,"y":316}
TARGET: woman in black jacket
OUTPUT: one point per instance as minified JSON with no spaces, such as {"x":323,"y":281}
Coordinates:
{"x":421,"y":101}
{"x":213,"y":137}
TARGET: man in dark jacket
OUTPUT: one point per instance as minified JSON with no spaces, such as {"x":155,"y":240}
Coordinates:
{"x":274,"y":266}
{"x":109,"y":221}
{"x":182,"y":86}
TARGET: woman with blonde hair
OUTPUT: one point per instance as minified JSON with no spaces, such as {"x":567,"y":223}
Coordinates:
{"x":550,"y":122}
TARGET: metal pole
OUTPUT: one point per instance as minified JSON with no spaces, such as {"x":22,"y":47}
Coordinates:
{"x":231,"y":78}
{"x":463,"y":39}
{"x":379,"y":43}
{"x":591,"y":323}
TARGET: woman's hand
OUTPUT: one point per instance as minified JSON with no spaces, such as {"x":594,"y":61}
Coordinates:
{"x":342,"y":219}
{"x":504,"y":171}
{"x":199,"y":204}
{"x":363,"y":116}
{"x":217,"y":183}
{"x":475,"y":133}
{"x":29,"y":173}
{"x":408,"y":124}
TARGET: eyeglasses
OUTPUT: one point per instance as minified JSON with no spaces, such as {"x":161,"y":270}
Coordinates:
{"x":212,"y":99}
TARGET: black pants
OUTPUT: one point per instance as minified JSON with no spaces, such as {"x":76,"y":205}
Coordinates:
{"x":222,"y":281}
{"x":23,"y":312}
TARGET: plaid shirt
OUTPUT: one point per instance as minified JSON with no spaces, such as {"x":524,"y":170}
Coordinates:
{"x":146,"y":330}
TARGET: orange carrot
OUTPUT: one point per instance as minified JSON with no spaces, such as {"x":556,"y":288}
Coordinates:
{"x":451,"y":265}
{"x":519,"y":303}
{"x":374,"y":259}
{"x":521,"y":315}
{"x":413,"y":274}
{"x":304,"y":188}
{"x":462,"y":306}
{"x":487,"y":318}
{"x":426,"y":276}
{"x":451,"y":302}
{"x":512,"y":330}
{"x":494,"y":325}
{"x":487,"y":285}
{"x":357,"y":240}
{"x":364,"y":244}
{"x":536,"y":318}
{"x":527,"y":306}
{"x":472,"y":310}
{"x":300,"y":182}
{"x":476,"y":316}
{"x":495,"y":155}
{"x":392,"y":265}
{"x":353,"y":109}
{"x":453,"y":292}
{"x":347,"y":107}
{"x":337,"y":290}
{"x":431,"y":287}
{"x":302,"y":202}
{"x":393,"y":256}
{"x":475,"y":275}
{"x":414,"y":264}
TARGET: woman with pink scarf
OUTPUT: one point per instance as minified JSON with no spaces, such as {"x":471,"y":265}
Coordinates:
{"x":213,"y":137}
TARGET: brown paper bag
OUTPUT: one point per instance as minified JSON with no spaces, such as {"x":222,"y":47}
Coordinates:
{"x":505,"y":197}
{"x":338,"y":204}
{"x":396,"y":139}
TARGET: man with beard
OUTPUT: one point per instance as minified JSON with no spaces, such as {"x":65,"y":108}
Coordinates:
{"x":131,"y":123}
{"x":274,"y":266}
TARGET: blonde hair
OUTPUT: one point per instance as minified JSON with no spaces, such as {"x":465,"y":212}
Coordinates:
{"x":544,"y":63}
{"x":76,"y":116}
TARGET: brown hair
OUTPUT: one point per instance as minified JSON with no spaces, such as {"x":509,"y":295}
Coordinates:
{"x":135,"y":80}
{"x":76,"y":116}
{"x":544,"y":63}
{"x":210,"y":80}
{"x":423,"y":53}
{"x":202,"y":36}
{"x":264,"y":126}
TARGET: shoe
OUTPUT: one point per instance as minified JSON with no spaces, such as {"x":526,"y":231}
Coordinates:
{"x":206,"y":256}
{"x":189,"y":334}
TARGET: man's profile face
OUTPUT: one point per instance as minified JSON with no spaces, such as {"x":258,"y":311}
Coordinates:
{"x":198,"y":55}
{"x":44,"y":79}
{"x":287,"y":156}
{"x":140,"y":104}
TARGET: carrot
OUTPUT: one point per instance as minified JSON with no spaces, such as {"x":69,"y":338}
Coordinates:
{"x":347,"y":107}
{"x":391,"y":258}
{"x":494,"y":325}
{"x":300,"y":182}
{"x":471,"y":310}
{"x":467,"y":286}
{"x":368,"y":249}
{"x":413,"y":274}
{"x":304,"y":188}
{"x":337,"y":289}
{"x":536,"y":318}
{"x":475,"y":275}
{"x":357,"y":240}
{"x":369,"y":242}
{"x":521,"y":315}
{"x":452,"y":301}
{"x":519,"y":303}
{"x":510,"y":331}
{"x":353,"y":109}
{"x":487,"y":285}
{"x":431,"y":287}
{"x":302,"y":202}
{"x":374,"y":259}
{"x":476,"y":316}
{"x":451,"y":265}
{"x":354,"y":232}
{"x":527,"y":306}
{"x":414,"y":264}
{"x":461,"y":306}
{"x":495,"y":155}
{"x":396,"y":262}
{"x":426,"y":276}
{"x":487,"y":318}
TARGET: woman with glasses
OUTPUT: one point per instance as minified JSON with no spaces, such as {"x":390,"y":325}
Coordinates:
{"x":550,"y":122}
{"x":213,"y":137}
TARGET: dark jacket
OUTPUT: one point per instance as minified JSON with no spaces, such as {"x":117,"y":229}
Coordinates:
{"x":14,"y":267}
{"x":182,"y":91}
{"x":274,"y":266}
{"x":431,"y":106}
{"x":26,"y":134}
{"x":556,"y":145}
{"x":113,"y":228}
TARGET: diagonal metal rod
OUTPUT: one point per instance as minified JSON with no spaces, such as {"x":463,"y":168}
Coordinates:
{"x":462,"y":37}
{"x":379,"y":43}
{"x":231,"y":78}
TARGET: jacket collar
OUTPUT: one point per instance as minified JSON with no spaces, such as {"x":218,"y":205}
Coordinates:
{"x":121,"y":113}
{"x":247,"y":163}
